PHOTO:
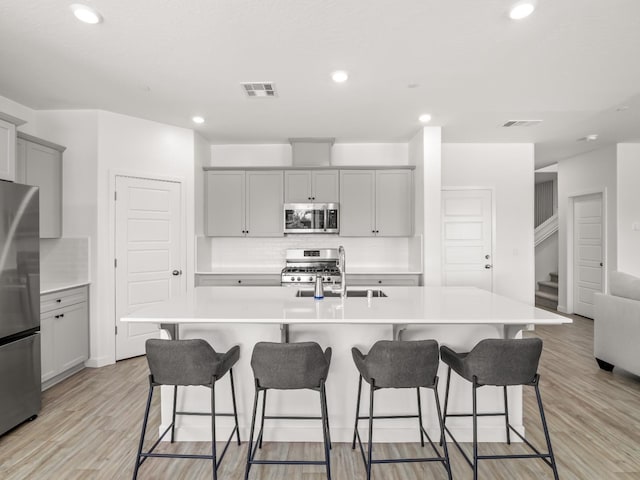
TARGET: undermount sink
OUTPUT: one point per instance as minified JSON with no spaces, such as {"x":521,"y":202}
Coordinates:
{"x":350,"y":293}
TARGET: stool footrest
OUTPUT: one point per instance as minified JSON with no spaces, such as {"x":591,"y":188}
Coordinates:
{"x":206,"y":414}
{"x":387,"y":417}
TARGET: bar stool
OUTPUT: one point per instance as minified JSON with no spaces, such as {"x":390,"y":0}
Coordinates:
{"x":399,"y":364}
{"x":499,"y":363}
{"x":187,"y":363}
{"x":289,"y":366}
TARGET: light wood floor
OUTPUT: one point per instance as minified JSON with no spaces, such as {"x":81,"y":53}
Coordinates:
{"x":89,"y":427}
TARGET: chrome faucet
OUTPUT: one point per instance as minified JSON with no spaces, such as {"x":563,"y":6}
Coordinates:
{"x":343,"y":271}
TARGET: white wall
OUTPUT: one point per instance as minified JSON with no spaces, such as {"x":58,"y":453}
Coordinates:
{"x":132,"y":146}
{"x":628,"y":202}
{"x":581,"y":175}
{"x":546,"y":256}
{"x":508,"y":170}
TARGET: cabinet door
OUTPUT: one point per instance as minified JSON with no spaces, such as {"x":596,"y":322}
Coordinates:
{"x":297,"y":186}
{"x":71,"y":336}
{"x":264,"y":213}
{"x":47,"y":347}
{"x":43,"y":168}
{"x":394,"y":203}
{"x":7,"y":150}
{"x":325,"y":186}
{"x":21,"y":161}
{"x":225,"y":197}
{"x":357,"y":197}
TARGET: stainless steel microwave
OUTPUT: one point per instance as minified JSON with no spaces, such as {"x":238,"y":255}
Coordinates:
{"x":311,"y":218}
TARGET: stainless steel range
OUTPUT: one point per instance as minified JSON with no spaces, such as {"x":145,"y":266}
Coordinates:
{"x":303,"y":265}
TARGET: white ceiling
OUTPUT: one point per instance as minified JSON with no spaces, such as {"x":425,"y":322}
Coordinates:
{"x":572,"y":64}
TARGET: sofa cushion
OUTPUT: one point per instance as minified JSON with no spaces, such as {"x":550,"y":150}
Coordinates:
{"x":624,"y":285}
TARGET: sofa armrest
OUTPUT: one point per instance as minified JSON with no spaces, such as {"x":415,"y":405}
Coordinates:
{"x":616,"y":333}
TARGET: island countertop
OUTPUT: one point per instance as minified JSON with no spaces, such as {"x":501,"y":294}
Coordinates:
{"x":413,"y":305}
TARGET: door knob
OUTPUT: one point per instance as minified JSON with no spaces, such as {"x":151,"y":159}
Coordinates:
{"x":487,"y":266}
{"x":176,"y":273}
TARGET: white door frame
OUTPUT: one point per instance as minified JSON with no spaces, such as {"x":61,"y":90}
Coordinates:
{"x":493,"y":227}
{"x":570,"y":263}
{"x":111,"y":286}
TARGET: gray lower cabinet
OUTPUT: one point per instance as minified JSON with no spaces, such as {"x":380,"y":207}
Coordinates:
{"x":244,"y":203}
{"x":389,"y":279}
{"x":229,"y":280}
{"x":64,"y":332}
{"x":39,"y":163}
{"x":376,"y":203}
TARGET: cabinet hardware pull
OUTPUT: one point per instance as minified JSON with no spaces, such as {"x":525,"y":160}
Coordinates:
{"x":58,"y":300}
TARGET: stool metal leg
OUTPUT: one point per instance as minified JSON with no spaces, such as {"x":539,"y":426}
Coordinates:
{"x":420,"y":427}
{"x":325,"y":429}
{"x":235,"y":409}
{"x":144,"y":430}
{"x":213,"y":429}
{"x":475,"y":429}
{"x":355,"y":427}
{"x":506,"y":416}
{"x":372,"y":389}
{"x":253,"y":424}
{"x":447,"y":463}
{"x":446,"y":405}
{"x":546,"y":431}
{"x":264,"y":402}
{"x":173,"y":418}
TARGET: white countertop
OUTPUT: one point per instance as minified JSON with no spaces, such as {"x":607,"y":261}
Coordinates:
{"x":417,"y":305}
{"x":51,"y":287}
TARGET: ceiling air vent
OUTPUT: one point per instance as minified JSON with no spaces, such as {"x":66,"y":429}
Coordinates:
{"x":259,"y":89}
{"x":522,"y":123}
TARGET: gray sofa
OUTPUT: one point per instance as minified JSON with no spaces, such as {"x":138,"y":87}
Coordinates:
{"x":616,"y":334}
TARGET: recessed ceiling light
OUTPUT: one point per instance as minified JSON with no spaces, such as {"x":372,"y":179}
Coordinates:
{"x":521,"y":10}
{"x":425,"y":118}
{"x":197,"y":119}
{"x":589,"y":138}
{"x":86,"y":14}
{"x":340,"y":76}
{"x":623,"y":108}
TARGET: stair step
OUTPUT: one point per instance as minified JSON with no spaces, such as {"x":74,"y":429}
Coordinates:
{"x":548,"y":287}
{"x":554,"y":277}
{"x":547,"y":300}
{"x":547,"y":296}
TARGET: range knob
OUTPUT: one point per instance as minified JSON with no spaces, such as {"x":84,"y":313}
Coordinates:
{"x":298,"y":278}
{"x":293,"y":279}
{"x":311,"y":279}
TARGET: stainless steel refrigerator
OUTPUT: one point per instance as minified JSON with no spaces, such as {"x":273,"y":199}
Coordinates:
{"x":20,"y":384}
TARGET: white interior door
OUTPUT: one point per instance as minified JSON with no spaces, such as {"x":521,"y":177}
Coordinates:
{"x":149,"y":259}
{"x":467,"y":238}
{"x":587,"y":252}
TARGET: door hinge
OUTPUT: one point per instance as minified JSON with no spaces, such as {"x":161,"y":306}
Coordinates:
{"x":115,"y":196}
{"x":115,"y":262}
{"x":116,"y":329}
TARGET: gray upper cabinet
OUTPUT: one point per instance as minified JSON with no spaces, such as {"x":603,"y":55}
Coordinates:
{"x":244,"y":203}
{"x":39,"y":163}
{"x":7,"y":148}
{"x":376,"y":203}
{"x":303,"y":186}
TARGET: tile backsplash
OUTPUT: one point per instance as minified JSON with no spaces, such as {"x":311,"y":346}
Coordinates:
{"x":226,"y":253}
{"x":64,"y":260}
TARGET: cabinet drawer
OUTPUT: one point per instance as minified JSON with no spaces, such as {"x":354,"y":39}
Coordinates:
{"x":264,"y":280}
{"x":398,"y":280}
{"x":64,"y":298}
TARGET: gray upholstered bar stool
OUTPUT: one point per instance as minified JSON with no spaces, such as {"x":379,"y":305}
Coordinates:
{"x":399,"y":364}
{"x":500,"y":363}
{"x":289,"y":366}
{"x":188,"y":363}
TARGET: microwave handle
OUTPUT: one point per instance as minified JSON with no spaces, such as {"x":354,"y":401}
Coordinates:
{"x":326,"y":216}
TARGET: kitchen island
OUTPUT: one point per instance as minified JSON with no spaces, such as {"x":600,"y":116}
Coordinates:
{"x":455,"y":316}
